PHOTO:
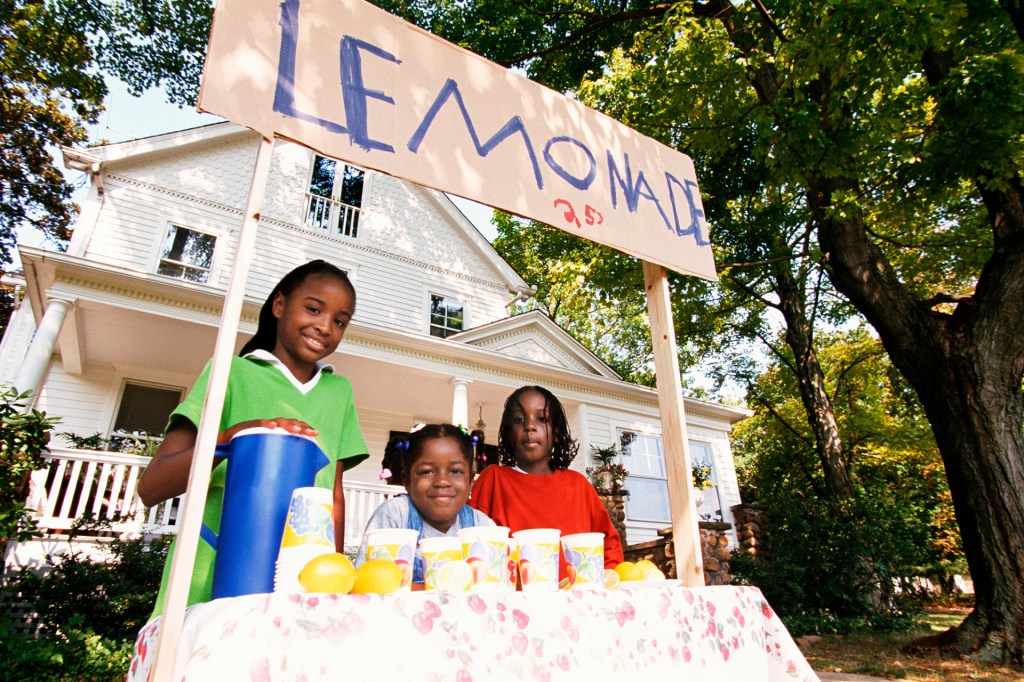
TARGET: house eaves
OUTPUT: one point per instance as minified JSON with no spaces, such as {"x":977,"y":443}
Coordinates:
{"x":510,"y":330}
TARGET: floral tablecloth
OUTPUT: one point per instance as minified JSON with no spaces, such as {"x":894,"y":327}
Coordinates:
{"x":718,"y":633}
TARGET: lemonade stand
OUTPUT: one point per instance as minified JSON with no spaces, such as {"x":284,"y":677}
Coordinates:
{"x":404,"y":102}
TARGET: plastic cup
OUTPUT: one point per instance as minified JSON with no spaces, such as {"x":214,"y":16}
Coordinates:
{"x":584,"y":558}
{"x":437,"y":553}
{"x":396,"y":544}
{"x":308,"y":533}
{"x":488,"y":552}
{"x":538,"y":558}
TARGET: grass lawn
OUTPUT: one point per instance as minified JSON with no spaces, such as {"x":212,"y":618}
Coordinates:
{"x":866,"y":653}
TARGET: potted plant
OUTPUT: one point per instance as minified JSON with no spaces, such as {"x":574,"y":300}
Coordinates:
{"x":608,"y":476}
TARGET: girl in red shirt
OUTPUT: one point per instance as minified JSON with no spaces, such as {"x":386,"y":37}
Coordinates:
{"x":534,"y":487}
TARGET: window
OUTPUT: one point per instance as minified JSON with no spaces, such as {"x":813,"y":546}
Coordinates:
{"x":187,"y":254}
{"x":446,"y":316}
{"x":335,"y":197}
{"x":145,"y":408}
{"x":711,"y":508}
{"x":648,"y":488}
{"x":643,"y":457}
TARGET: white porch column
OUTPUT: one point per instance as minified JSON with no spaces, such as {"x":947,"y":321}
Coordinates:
{"x":460,"y":401}
{"x":40,"y":350}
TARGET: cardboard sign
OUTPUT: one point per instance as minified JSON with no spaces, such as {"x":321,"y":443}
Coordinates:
{"x":355,"y":83}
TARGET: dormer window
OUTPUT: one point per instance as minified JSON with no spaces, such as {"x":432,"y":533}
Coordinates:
{"x":187,"y":254}
{"x":446,"y":316}
{"x":335,"y":197}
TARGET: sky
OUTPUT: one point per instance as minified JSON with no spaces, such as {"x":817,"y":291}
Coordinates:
{"x":127,"y":118}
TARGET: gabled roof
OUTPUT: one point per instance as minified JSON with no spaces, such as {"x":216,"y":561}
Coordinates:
{"x":534,"y":336}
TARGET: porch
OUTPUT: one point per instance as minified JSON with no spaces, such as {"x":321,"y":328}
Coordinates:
{"x":102,"y":485}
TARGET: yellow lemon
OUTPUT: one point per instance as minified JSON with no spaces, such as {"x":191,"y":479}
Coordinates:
{"x":627,"y":571}
{"x":328,"y":573}
{"x":645,"y":565}
{"x":611,"y":579}
{"x":653,"y":574}
{"x":378,"y":576}
{"x":455,"y":576}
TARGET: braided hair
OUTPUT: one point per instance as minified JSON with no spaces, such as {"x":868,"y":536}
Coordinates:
{"x":402,"y":452}
{"x":563,"y":447}
{"x":265,"y":337}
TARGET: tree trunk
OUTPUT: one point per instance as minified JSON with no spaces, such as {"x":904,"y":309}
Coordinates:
{"x":967,"y":369}
{"x":811,"y":379}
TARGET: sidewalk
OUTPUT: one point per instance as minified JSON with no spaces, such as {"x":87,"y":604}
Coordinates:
{"x":847,"y":677}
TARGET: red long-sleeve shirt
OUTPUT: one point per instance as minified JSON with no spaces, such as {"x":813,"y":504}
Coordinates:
{"x":564,"y":499}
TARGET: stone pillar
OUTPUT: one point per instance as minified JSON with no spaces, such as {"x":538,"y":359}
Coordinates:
{"x":749,"y":520}
{"x":616,"y":507}
{"x":714,"y":545}
{"x":40,"y":350}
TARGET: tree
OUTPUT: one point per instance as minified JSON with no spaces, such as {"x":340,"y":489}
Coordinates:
{"x":589,"y":290}
{"x":48,"y":88}
{"x":895,"y":129}
{"x":54,"y":55}
{"x":833,"y":555}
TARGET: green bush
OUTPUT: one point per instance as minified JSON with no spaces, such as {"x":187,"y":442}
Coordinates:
{"x":89,"y":613}
{"x":23,"y":437}
{"x":75,"y":654}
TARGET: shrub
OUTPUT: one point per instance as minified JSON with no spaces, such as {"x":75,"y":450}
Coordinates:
{"x":89,"y":613}
{"x":23,"y":438}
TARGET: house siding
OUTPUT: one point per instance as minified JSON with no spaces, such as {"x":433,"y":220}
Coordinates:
{"x":406,"y":246}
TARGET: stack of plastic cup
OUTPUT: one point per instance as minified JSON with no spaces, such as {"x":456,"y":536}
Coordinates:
{"x":440,"y":556}
{"x":538,"y":558}
{"x":396,"y":544}
{"x":308,"y":533}
{"x":584,"y":558}
{"x":489,"y":553}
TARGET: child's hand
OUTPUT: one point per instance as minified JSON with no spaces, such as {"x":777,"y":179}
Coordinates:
{"x":290,"y":425}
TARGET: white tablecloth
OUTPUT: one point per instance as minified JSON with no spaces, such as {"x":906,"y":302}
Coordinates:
{"x":710,"y":633}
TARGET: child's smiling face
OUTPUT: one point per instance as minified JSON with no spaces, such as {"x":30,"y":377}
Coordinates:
{"x":532,"y":438}
{"x":311,"y":322}
{"x":439,"y":482}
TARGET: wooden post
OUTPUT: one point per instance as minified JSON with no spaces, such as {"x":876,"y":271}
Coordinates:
{"x":685,"y":532}
{"x":178,"y":584}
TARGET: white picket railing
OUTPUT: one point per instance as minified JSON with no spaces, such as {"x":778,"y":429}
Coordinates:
{"x":331,"y":217}
{"x":80,"y":483}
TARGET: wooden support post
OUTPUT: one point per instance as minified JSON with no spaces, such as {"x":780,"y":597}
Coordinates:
{"x":685,"y":532}
{"x":173,"y":618}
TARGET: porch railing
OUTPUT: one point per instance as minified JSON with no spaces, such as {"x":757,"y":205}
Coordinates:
{"x":103,"y":485}
{"x":331,"y":217}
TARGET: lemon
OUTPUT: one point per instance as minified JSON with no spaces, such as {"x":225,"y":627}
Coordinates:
{"x":653,"y":574}
{"x":611,"y":579}
{"x":328,"y":573}
{"x":377,"y":576}
{"x":627,"y":570}
{"x":455,"y":576}
{"x":645,"y":565}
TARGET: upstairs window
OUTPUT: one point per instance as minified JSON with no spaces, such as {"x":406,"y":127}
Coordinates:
{"x":145,"y":408}
{"x":446,"y":316}
{"x":335,"y":197}
{"x":187,"y":254}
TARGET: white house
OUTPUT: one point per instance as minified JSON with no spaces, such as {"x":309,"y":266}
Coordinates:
{"x":112,"y":333}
